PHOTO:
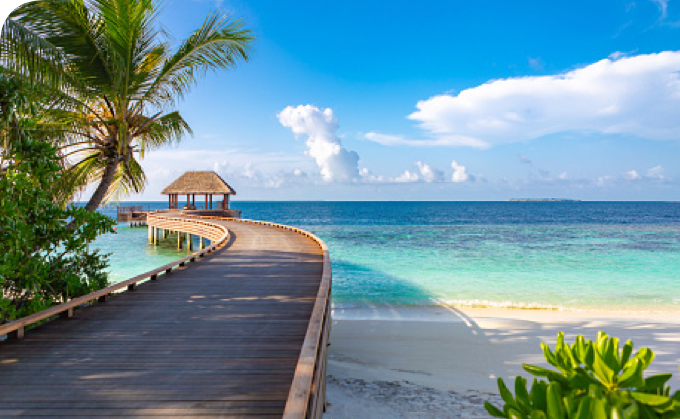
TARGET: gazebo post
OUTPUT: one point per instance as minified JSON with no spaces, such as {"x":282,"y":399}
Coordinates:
{"x":206,"y":201}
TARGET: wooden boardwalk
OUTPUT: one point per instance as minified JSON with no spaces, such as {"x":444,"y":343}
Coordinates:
{"x":216,"y":339}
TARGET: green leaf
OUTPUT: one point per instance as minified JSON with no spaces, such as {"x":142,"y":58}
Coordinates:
{"x":514,"y":414}
{"x":555,"y":408}
{"x":505,"y":394}
{"x":538,"y":395}
{"x":657,"y":382}
{"x":598,"y":409}
{"x":601,"y":369}
{"x":493,"y":410}
{"x":651,"y":399}
{"x":522,"y":395}
{"x":537,"y":414}
{"x":632,"y":376}
{"x":583,"y":410}
{"x":549,"y":356}
{"x":626,"y":352}
{"x":616,"y":413}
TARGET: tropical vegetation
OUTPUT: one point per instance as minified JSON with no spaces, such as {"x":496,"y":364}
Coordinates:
{"x":45,"y":256}
{"x":594,"y":380}
{"x":110,"y":80}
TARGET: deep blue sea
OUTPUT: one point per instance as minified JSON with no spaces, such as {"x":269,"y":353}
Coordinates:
{"x":565,"y":255}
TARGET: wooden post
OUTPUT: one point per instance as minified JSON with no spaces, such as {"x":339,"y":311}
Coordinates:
{"x":210,"y":201}
{"x":189,"y":243}
{"x":150,"y":233}
{"x":165,"y":233}
{"x":179,"y":240}
{"x":155,"y":236}
{"x":206,"y":201}
{"x":68,"y":313}
{"x":17,"y":334}
{"x":201,"y":243}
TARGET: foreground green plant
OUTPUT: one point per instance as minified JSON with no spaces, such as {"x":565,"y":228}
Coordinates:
{"x":45,"y":258}
{"x":595,"y":380}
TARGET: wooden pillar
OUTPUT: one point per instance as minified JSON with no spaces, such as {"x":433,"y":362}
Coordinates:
{"x":189,"y":242}
{"x":210,"y":201}
{"x":150,"y":233}
{"x":179,"y":240}
{"x":201,"y":243}
{"x":206,"y":201}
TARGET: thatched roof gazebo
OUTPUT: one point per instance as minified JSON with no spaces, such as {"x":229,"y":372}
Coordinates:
{"x":194,"y":183}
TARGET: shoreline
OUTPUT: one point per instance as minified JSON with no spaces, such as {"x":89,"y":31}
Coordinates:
{"x":402,"y":362}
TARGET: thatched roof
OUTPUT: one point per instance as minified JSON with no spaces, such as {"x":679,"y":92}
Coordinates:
{"x":203,"y":182}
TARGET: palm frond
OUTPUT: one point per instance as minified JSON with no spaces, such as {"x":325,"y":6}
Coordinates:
{"x":167,"y":129}
{"x":220,"y":43}
{"x":77,"y":33}
{"x":129,"y":179}
{"x":24,"y":52}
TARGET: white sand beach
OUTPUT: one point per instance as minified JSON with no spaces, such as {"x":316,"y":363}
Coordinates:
{"x":443,"y":363}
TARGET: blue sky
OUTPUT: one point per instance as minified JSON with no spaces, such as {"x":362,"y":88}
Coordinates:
{"x":435,"y":100}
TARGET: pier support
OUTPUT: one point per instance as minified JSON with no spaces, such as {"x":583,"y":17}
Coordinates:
{"x":150,"y":233}
{"x":189,"y":242}
{"x":179,"y":240}
{"x":201,"y":243}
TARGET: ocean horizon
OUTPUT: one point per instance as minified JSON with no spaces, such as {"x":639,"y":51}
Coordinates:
{"x":585,"y":255}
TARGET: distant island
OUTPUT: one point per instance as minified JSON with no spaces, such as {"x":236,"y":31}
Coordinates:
{"x":544,"y":200}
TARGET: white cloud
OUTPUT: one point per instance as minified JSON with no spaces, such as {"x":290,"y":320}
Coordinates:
{"x":630,"y":95}
{"x":407,"y":177}
{"x":334,"y":161}
{"x":632,"y":175}
{"x":663,"y":8}
{"x":460,"y":173}
{"x":428,"y":173}
{"x":656,"y":173}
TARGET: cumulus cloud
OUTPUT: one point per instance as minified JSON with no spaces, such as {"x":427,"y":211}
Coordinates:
{"x":334,"y":161}
{"x":425,"y":173}
{"x":632,"y":175}
{"x":656,"y":173}
{"x":407,"y":177}
{"x":460,"y":173}
{"x":630,"y":95}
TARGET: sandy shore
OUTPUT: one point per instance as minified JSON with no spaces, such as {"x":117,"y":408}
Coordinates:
{"x":443,"y":363}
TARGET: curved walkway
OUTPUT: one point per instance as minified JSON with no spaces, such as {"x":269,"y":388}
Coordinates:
{"x":215,"y":339}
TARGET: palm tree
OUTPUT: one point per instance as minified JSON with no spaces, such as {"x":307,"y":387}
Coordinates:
{"x":113,"y":81}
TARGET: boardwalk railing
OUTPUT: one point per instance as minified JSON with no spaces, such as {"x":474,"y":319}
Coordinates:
{"x":220,"y":236}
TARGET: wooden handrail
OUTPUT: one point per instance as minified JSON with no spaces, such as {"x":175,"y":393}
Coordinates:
{"x":17,"y":326}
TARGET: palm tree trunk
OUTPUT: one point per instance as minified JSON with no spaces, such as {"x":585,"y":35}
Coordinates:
{"x":99,"y":194}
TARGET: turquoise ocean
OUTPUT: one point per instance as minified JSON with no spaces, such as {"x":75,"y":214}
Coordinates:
{"x":553,"y":255}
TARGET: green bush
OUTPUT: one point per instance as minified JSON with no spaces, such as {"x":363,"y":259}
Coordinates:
{"x":595,"y":380}
{"x":45,"y":258}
